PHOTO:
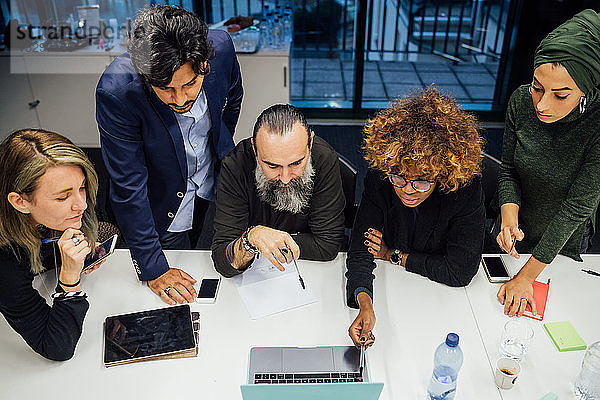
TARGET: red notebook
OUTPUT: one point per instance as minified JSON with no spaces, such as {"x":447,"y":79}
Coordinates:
{"x":540,"y":295}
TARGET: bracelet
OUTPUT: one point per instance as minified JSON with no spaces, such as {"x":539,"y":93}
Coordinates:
{"x":247,"y":245}
{"x":67,"y":285}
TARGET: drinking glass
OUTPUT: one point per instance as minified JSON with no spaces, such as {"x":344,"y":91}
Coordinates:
{"x":517,"y":335}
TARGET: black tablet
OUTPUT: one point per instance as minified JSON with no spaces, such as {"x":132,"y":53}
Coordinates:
{"x":140,"y":335}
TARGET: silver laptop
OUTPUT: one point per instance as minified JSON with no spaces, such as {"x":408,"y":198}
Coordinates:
{"x":308,"y":372}
{"x":327,"y":364}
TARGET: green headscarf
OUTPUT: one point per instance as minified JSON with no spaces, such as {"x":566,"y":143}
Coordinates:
{"x":576,"y":45}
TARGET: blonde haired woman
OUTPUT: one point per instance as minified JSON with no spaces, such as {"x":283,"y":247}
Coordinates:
{"x":47,"y":197}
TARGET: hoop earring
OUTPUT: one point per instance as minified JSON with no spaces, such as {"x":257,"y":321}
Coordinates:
{"x":530,"y":89}
{"x":582,"y":104}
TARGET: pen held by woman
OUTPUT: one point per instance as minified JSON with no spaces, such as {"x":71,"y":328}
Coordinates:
{"x":76,"y":239}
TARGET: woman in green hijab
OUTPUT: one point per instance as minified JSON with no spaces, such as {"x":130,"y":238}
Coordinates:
{"x":549,"y":185}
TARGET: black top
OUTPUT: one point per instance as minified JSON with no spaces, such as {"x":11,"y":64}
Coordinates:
{"x":318,"y":231}
{"x":52,"y":332}
{"x":448,"y":236}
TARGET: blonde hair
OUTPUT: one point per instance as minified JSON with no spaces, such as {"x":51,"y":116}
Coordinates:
{"x":25,"y":156}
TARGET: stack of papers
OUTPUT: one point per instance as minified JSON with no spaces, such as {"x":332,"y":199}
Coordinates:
{"x":265,"y":290}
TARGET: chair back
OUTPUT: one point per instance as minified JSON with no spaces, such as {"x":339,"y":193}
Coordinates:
{"x":349,"y":174}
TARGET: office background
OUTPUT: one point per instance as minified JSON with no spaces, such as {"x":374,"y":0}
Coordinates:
{"x":346,"y":60}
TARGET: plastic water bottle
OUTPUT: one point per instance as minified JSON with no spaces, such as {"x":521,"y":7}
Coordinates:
{"x":287,"y":25}
{"x":265,"y":11}
{"x":264,"y":34}
{"x":447,"y":361}
{"x":276,"y":34}
{"x":587,"y":384}
{"x":270,"y":25}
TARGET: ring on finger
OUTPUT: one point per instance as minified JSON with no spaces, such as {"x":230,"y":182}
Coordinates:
{"x":168,"y":289}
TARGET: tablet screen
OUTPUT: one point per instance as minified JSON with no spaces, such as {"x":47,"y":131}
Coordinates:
{"x":148,"y":333}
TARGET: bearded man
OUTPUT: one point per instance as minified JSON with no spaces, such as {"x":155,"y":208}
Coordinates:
{"x":279,"y":194}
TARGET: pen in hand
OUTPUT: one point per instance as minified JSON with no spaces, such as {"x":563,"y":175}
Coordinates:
{"x":512,"y":246}
{"x":361,"y":363}
{"x":284,"y":251}
{"x":514,"y":242}
{"x":589,"y":271}
{"x":299,"y":277}
{"x":76,"y":239}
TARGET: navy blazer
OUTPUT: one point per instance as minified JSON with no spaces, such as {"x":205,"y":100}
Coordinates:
{"x":143,"y":149}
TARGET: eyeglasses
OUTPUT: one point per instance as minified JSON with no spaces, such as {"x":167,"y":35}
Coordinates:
{"x":420,"y":185}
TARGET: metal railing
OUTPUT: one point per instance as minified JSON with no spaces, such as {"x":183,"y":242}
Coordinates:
{"x":458,"y":30}
{"x":454,"y":29}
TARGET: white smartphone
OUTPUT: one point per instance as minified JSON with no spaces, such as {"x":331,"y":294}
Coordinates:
{"x":495,"y":269}
{"x":209,"y":287}
{"x":104,"y":250}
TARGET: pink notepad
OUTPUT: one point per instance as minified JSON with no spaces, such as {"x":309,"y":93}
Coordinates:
{"x":540,"y":295}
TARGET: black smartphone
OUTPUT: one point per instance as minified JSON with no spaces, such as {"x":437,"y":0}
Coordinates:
{"x":104,"y":250}
{"x":495,"y":269}
{"x":208,"y":290}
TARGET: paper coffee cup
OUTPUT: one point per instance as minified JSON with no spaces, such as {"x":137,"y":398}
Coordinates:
{"x":506,"y":373}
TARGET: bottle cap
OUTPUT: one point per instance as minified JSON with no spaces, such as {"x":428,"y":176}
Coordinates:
{"x":452,"y":340}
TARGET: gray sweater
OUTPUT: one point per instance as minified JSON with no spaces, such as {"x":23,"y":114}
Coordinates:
{"x":552,"y":171}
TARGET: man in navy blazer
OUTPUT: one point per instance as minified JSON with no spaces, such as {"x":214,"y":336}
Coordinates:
{"x":166,"y":112}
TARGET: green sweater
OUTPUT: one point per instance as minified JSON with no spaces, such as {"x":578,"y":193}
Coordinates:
{"x":552,"y":171}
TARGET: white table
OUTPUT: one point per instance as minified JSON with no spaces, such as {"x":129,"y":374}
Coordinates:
{"x":573,"y":297}
{"x":414,"y":315}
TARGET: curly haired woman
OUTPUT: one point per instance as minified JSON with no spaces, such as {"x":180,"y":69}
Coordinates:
{"x":422,"y":206}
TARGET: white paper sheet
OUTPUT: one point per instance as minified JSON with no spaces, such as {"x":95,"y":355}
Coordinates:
{"x":265,"y":290}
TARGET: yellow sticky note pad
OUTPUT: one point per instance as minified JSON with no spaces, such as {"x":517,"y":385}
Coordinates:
{"x":564,"y":336}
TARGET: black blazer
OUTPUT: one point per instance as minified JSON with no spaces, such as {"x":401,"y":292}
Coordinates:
{"x":448,"y":238}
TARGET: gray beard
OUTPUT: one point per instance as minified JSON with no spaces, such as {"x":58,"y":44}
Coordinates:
{"x":293,"y":197}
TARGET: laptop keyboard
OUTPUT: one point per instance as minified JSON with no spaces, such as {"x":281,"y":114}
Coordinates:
{"x":327,"y":377}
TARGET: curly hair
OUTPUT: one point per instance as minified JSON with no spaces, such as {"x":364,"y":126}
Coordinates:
{"x":427,"y":135}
